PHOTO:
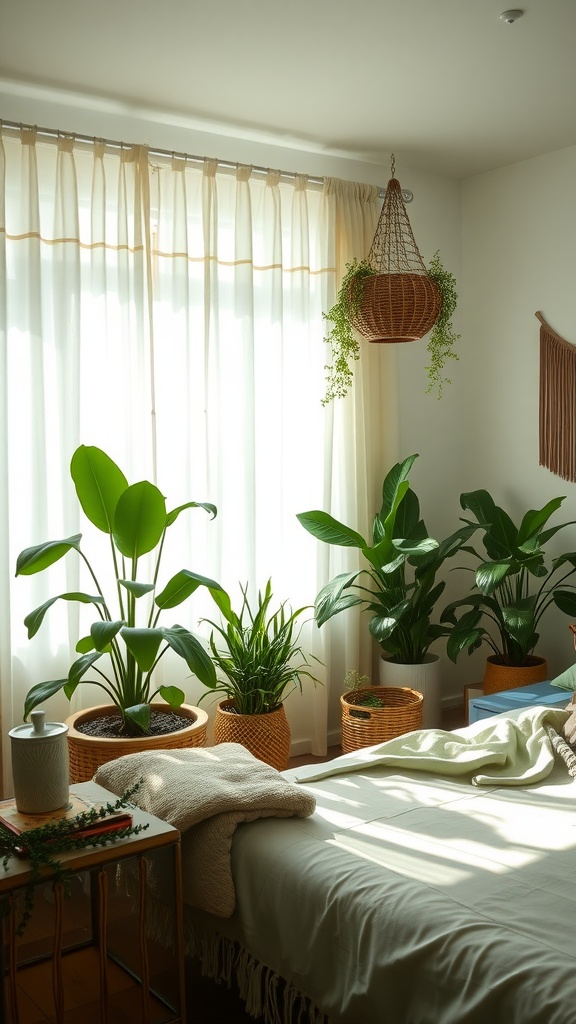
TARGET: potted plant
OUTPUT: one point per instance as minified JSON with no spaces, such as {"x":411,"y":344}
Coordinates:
{"x":343,"y":339}
{"x":399,"y":587}
{"x":261,"y":661}
{"x":125,"y":644}
{"x":374,"y":714}
{"x":513,"y":588}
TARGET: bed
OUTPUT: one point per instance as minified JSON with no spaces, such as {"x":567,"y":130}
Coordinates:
{"x":409,"y":896}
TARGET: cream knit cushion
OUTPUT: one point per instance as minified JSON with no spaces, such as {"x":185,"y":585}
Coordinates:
{"x":205,"y":792}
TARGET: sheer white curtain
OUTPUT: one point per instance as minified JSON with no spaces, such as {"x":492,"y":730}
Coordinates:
{"x":171,"y":313}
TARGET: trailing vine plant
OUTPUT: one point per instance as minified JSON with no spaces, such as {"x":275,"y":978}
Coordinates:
{"x":43,"y":844}
{"x":442,"y":336}
{"x":344,"y":343}
{"x":341,"y":336}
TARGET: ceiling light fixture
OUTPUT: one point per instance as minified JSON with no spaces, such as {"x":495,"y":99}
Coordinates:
{"x":511,"y":16}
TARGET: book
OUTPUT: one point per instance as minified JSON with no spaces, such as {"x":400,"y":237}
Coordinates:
{"x":19,"y":822}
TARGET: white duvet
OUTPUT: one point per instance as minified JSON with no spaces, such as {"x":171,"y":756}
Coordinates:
{"x":413,"y":898}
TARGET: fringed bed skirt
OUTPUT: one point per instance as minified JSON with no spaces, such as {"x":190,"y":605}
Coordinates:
{"x":265,"y":993}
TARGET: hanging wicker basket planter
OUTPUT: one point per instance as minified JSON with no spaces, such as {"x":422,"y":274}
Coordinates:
{"x":396,"y":307}
{"x":400,"y":302}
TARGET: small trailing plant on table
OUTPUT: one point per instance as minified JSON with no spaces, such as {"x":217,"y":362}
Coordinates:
{"x":41,"y":845}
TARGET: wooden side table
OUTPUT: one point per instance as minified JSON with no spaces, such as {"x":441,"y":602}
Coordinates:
{"x":125,"y":919}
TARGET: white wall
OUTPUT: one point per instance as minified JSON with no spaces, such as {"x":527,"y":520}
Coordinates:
{"x":518,"y":246}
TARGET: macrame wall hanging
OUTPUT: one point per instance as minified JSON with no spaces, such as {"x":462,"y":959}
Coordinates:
{"x":400,"y":302}
{"x":557,"y":403}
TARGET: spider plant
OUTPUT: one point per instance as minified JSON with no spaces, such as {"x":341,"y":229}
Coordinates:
{"x":258,"y":652}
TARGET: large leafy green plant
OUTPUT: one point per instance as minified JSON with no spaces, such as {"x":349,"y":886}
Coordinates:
{"x":120,"y":654}
{"x":514,"y":585}
{"x":258,"y":652}
{"x":399,"y":588}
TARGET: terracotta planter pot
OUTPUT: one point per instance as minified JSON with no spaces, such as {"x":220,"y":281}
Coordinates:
{"x":87,"y":753}
{"x":397,"y":307}
{"x":426,"y":678}
{"x":499,"y":677}
{"x":266,"y":736}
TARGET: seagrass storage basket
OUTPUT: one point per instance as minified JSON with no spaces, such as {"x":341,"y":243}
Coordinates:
{"x":266,"y":736}
{"x":400,"y":711}
{"x":87,"y":753}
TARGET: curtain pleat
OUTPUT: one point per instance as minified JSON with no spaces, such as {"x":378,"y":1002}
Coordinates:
{"x":171,"y":314}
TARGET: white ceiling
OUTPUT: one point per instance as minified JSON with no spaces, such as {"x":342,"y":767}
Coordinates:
{"x":446,"y":85}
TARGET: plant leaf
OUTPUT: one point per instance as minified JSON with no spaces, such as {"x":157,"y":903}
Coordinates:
{"x":140,"y":714}
{"x":173,"y":695}
{"x":195,"y":655}
{"x":173,"y":515}
{"x":99,"y":483}
{"x":137,"y":589}
{"x":143,"y":644}
{"x":103,"y":632}
{"x":324,"y":527}
{"x":40,"y":556}
{"x":40,"y":693}
{"x":34,"y":619}
{"x":182,"y":585}
{"x":140,"y":519}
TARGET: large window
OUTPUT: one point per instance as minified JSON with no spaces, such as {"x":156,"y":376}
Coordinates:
{"x":171,"y":313}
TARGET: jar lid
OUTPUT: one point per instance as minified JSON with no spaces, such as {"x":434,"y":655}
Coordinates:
{"x":39,"y":728}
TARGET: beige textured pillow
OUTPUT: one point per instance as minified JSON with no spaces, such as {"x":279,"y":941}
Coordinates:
{"x":205,"y":792}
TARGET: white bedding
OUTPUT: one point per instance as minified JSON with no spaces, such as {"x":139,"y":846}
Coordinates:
{"x":409,"y":898}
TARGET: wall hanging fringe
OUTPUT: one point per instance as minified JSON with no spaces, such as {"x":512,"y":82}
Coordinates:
{"x":557,"y":403}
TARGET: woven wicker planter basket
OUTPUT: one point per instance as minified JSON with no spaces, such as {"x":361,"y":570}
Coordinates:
{"x":87,"y":753}
{"x":499,"y":677}
{"x":266,"y":736}
{"x":362,"y":726}
{"x":397,"y":307}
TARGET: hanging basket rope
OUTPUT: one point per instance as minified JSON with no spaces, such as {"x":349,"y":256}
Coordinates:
{"x":400,"y":302}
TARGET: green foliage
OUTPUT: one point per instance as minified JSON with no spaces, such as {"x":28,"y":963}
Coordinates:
{"x":44,"y":843}
{"x":135,"y":519}
{"x":401,"y":591}
{"x":514,"y":586}
{"x":344,"y":343}
{"x":341,"y":336}
{"x":258,"y":653}
{"x":354,"y":681}
{"x":442,"y":337}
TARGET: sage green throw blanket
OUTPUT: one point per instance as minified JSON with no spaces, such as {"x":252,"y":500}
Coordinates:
{"x":503,"y":751}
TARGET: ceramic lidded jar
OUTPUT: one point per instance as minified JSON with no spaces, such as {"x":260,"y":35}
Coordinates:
{"x":40,"y":765}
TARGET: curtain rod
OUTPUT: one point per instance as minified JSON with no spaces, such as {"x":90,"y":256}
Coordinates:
{"x":52,"y":133}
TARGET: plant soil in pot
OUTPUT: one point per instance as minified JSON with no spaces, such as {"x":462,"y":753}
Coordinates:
{"x":94,"y":735}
